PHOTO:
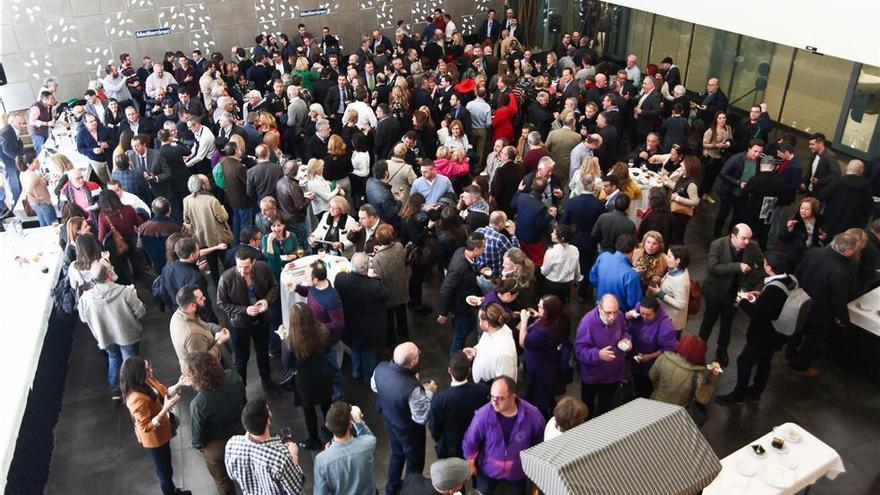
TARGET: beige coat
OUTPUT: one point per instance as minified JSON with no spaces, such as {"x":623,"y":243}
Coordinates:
{"x":401,"y":176}
{"x":190,"y":335}
{"x":389,"y":263}
{"x":559,"y":144}
{"x":671,"y":376}
{"x":207,"y":219}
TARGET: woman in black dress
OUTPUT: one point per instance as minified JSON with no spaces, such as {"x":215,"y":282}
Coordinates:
{"x":305,"y":358}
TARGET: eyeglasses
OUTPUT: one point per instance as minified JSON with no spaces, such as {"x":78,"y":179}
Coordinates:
{"x":497,"y":398}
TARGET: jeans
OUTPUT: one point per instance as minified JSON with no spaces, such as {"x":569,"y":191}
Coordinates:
{"x":727,"y":311}
{"x":14,"y":183}
{"x":38,"y":141}
{"x":363,"y":363}
{"x":302,"y":234}
{"x":241,"y":342}
{"x":604,"y":392}
{"x":487,"y":485}
{"x":463,"y":323}
{"x":161,"y":457}
{"x":334,"y":358}
{"x":116,"y":355}
{"x":407,"y":447}
{"x":241,"y":218}
{"x":45,"y":213}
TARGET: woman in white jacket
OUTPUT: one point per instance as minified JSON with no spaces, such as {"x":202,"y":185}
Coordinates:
{"x":675,"y":287}
{"x":332,"y":228}
{"x":324,"y":189}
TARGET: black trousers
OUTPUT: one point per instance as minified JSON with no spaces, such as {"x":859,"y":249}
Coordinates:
{"x":752,"y":357}
{"x":677,"y":228}
{"x":407,"y":448}
{"x":241,"y":342}
{"x":559,"y":289}
{"x":726,"y":310}
{"x":643,"y":385}
{"x":398,"y":330}
{"x":804,"y":345}
{"x":599,"y":397}
{"x":311,"y":419}
{"x":417,"y":276}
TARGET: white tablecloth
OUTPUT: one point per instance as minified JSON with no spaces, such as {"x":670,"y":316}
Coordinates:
{"x":811,"y":459}
{"x":641,"y":203}
{"x":25,"y":306}
{"x":867,"y":319}
{"x":291,"y":277}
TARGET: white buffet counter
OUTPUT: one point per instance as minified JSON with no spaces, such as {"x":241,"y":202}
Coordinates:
{"x":25,"y":307}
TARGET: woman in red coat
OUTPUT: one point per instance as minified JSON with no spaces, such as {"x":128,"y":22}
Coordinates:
{"x":125,"y":221}
{"x":502,"y":121}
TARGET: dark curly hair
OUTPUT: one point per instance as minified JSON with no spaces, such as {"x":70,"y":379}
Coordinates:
{"x":205,"y":370}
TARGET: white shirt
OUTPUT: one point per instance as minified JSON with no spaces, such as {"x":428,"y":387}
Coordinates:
{"x":551,"y":430}
{"x":813,"y":168}
{"x":366,"y":115}
{"x":135,"y":202}
{"x":203,"y":148}
{"x":155,"y":82}
{"x":561,"y":264}
{"x":496,"y":356}
{"x":450,"y":28}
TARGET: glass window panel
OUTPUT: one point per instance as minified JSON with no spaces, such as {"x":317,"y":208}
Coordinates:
{"x":639,"y":37}
{"x":713,"y":54}
{"x":861,"y":120}
{"x":672,"y":38}
{"x":779,"y":65}
{"x":815,"y":95}
{"x":752,"y":53}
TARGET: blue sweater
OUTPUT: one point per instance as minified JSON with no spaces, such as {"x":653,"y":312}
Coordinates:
{"x":613,"y":274}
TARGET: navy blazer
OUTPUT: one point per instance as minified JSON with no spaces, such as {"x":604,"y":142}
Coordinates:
{"x":10,"y":146}
{"x":85,"y":143}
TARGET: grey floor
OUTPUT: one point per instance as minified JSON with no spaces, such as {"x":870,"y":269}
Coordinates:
{"x":96,"y":450}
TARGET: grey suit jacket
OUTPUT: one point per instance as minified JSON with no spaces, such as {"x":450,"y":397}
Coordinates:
{"x":723,"y":270}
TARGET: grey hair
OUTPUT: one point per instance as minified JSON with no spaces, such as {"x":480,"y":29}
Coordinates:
{"x":223,"y":100}
{"x":322,"y":124}
{"x":588,"y":183}
{"x":169,"y":124}
{"x":360,"y":263}
{"x":678,"y":90}
{"x":195,"y":184}
{"x":545,"y":161}
{"x":843,"y":242}
{"x":228,"y":116}
{"x":534,"y":138}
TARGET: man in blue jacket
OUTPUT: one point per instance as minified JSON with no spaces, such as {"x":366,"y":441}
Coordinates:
{"x":613,"y":274}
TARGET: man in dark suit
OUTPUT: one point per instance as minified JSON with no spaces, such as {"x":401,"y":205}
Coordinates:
{"x":568,"y":88}
{"x":458,"y":112}
{"x":453,"y":409}
{"x":171,"y":172}
{"x":336,"y":100}
{"x":647,"y":110}
{"x":581,"y":212}
{"x":460,"y":282}
{"x":316,"y":146}
{"x":672,"y":75}
{"x":713,"y":101}
{"x":137,"y":124}
{"x":822,"y":167}
{"x":490,"y":29}
{"x":387,"y":132}
{"x":379,"y":39}
{"x":599,"y":89}
{"x":506,"y":181}
{"x":260,"y":73}
{"x":11,"y":147}
{"x":735,"y":263}
{"x":194,"y":106}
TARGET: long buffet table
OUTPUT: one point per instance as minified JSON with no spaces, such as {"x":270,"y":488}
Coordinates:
{"x":29,"y":266}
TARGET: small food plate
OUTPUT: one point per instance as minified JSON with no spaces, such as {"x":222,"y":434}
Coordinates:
{"x":783,"y":450}
{"x":474,"y":300}
{"x":777,"y":476}
{"x":747,"y":467}
{"x":790,"y":434}
{"x":789,"y":462}
{"x":762,"y":455}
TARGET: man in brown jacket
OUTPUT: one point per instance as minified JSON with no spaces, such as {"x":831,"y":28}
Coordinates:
{"x":191,"y":334}
{"x":560,"y":143}
{"x":235,"y":177}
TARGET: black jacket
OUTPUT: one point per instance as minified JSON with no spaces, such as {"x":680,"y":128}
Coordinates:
{"x":460,"y":282}
{"x":386,"y":136}
{"x":763,"y":311}
{"x":794,"y":243}
{"x":315,"y":148}
{"x":848,"y":203}
{"x":364,"y":300}
{"x":380,"y":196}
{"x":452,"y":410}
{"x":647,"y":119}
{"x":233,"y":298}
{"x":331,"y":101}
{"x":760,"y":189}
{"x":826,"y":275}
{"x":261,"y":180}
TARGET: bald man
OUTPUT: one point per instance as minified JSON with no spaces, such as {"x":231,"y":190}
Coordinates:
{"x":600,"y":349}
{"x":404,"y":404}
{"x":735,"y":263}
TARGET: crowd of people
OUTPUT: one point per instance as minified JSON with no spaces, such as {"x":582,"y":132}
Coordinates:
{"x":508,"y":178}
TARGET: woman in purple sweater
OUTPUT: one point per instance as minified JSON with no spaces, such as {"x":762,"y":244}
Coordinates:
{"x":601,"y":346}
{"x":541,"y":341}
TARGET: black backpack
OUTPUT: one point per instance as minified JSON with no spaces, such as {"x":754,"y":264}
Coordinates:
{"x":64,"y":295}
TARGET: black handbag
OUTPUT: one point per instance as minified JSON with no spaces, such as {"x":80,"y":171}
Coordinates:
{"x":175,"y":423}
{"x":696,"y":410}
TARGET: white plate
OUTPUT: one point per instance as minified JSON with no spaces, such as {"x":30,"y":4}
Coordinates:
{"x":474,"y":300}
{"x":789,"y":462}
{"x":786,"y":433}
{"x":777,"y":476}
{"x":747,"y":467}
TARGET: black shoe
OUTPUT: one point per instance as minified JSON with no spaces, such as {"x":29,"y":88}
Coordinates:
{"x":310,"y":444}
{"x":117,"y":399}
{"x":753,"y":394}
{"x":272,"y":388}
{"x":731,"y":398}
{"x":722,"y":358}
{"x":424,"y":309}
{"x":181,"y":491}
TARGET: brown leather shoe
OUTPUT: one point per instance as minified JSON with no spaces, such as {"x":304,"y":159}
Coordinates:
{"x":809,"y":372}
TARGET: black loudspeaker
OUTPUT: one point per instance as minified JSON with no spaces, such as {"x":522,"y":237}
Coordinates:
{"x":2,"y":75}
{"x":554,"y":23}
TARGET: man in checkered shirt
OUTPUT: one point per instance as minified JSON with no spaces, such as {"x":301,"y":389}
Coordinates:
{"x":260,"y":463}
{"x":499,"y":238}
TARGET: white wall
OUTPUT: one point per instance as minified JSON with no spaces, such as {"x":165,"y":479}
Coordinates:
{"x":846,"y":29}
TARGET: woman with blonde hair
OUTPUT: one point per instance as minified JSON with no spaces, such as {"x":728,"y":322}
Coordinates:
{"x":649,"y":259}
{"x":589,"y":166}
{"x":302,"y":69}
{"x":337,"y":163}
{"x":272,"y":140}
{"x":400,"y":103}
{"x":323,"y":189}
{"x":332,"y":228}
{"x":627,"y":185}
